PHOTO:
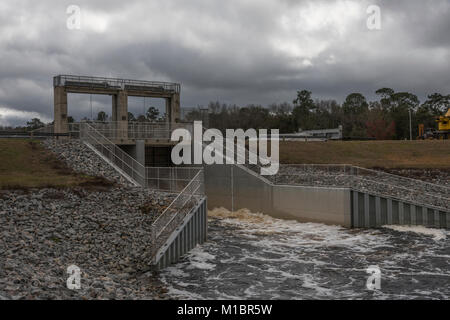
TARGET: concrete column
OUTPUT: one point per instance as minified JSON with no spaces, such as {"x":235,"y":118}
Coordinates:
{"x":120,"y":113}
{"x":60,"y":110}
{"x":140,"y":157}
{"x":114,"y":107}
{"x":173,"y":108}
{"x":168,"y":110}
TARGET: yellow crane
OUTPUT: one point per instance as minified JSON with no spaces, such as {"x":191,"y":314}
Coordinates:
{"x":444,"y":126}
{"x":443,"y":131}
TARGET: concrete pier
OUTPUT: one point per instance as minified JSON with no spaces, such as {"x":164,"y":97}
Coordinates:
{"x":119,"y":90}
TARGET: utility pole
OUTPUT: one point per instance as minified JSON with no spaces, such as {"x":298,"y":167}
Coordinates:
{"x":410,"y":126}
{"x":205,"y":116}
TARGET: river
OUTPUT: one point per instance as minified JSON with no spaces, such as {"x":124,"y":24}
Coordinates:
{"x":254,"y":256}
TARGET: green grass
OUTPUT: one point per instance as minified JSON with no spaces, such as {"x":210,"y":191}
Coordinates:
{"x":27,"y":164}
{"x":369,"y":154}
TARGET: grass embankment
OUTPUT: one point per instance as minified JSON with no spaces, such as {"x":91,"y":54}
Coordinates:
{"x":27,"y":164}
{"x":369,"y":154}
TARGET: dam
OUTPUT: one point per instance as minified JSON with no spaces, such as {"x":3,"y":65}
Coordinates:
{"x":342,"y":195}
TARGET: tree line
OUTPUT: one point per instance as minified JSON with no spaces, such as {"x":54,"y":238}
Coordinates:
{"x":386,"y":118}
{"x":383,"y":119}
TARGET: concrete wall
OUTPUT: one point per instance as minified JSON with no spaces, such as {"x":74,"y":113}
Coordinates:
{"x":309,"y":204}
{"x":371,"y":211}
{"x":234,"y":188}
{"x":191,"y":232}
{"x":137,"y":152}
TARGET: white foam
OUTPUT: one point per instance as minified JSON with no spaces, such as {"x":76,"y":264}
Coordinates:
{"x":199,"y":258}
{"x":437,"y":234}
{"x":183,"y":294}
{"x":295,"y":234}
{"x":288,"y":252}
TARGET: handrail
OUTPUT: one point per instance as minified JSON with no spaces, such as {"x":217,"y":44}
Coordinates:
{"x":198,"y":178}
{"x":355,"y":177}
{"x":60,"y":80}
{"x":114,"y":152}
{"x":169,"y":179}
{"x":48,"y":128}
{"x":245,"y":166}
{"x":172,"y":216}
{"x":402,"y":178}
{"x":138,"y":130}
{"x":376,"y":172}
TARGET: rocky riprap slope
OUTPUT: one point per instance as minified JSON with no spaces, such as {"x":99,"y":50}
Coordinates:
{"x":103,"y":229}
{"x":81,"y":159}
{"x":105,"y":233}
{"x":437,"y":176}
{"x":383,"y":184}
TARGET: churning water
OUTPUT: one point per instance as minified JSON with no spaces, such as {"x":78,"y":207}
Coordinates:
{"x":254,"y":256}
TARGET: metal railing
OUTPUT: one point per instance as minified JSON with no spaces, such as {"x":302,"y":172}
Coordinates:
{"x":73,"y":130}
{"x":169,"y":179}
{"x":47,"y":129}
{"x":174,"y":179}
{"x":174,"y":214}
{"x":138,"y":130}
{"x":113,"y":153}
{"x":122,"y":130}
{"x":364,"y":180}
{"x":189,"y":182}
{"x":115,"y":83}
{"x":235,"y":150}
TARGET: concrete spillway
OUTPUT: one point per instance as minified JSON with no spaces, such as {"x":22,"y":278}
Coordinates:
{"x":236,"y":187}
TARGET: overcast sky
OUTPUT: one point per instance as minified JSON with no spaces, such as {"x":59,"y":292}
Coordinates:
{"x":234,"y":51}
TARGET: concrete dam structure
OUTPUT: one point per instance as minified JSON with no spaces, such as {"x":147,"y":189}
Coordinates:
{"x":119,"y":90}
{"x":237,"y":187}
{"x":141,"y":153}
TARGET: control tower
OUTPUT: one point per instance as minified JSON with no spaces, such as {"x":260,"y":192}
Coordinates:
{"x":120,"y":90}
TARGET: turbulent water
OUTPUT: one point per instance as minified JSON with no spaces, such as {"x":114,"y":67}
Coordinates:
{"x":254,"y":256}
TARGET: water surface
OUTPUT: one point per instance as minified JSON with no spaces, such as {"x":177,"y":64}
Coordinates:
{"x":254,"y":256}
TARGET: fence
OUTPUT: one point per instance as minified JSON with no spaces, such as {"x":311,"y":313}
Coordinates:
{"x":173,"y":215}
{"x":365,"y":180}
{"x":114,"y":83}
{"x":138,"y":130}
{"x":49,"y":130}
{"x":169,"y":179}
{"x":191,"y":231}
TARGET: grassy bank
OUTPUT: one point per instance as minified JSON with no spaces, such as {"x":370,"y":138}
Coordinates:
{"x":27,"y":164}
{"x":370,"y":154}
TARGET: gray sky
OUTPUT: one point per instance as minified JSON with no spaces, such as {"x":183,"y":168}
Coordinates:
{"x":234,"y":51}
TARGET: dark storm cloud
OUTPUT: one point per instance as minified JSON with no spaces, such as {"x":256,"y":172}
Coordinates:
{"x":233,"y":51}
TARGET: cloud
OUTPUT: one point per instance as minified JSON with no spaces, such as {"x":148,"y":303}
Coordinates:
{"x":9,"y":117}
{"x":257,"y":51}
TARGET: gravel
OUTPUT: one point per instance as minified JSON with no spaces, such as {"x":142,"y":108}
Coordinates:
{"x":436,"y":193}
{"x":105,"y":231}
{"x":82,"y":159}
{"x":436,"y":176}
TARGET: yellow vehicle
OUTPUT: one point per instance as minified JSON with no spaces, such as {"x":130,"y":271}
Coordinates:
{"x":444,"y":126}
{"x":443,"y":131}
